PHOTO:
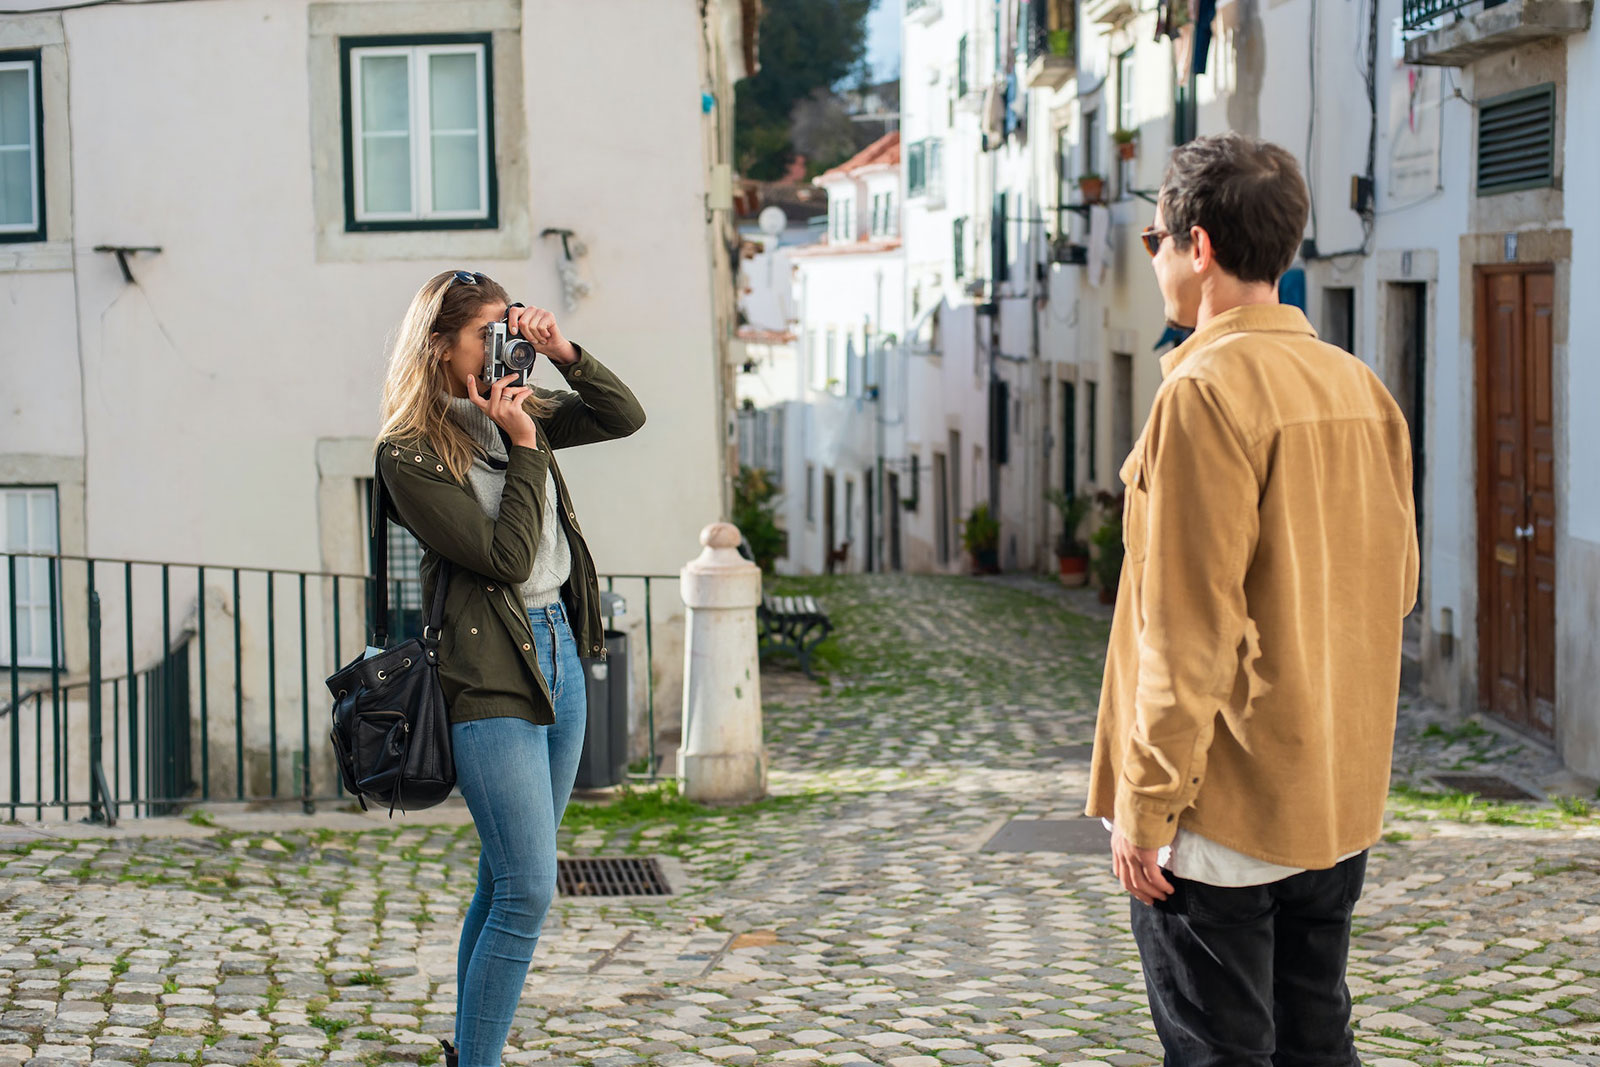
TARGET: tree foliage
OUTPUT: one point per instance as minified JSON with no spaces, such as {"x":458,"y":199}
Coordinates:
{"x":806,"y":45}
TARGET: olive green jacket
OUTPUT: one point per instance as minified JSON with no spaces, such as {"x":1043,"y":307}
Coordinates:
{"x":488,"y":666}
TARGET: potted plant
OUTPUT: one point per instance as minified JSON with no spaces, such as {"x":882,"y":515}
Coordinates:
{"x":1127,"y":142}
{"x":980,"y":536}
{"x":1093,"y":187}
{"x":1072,"y":554}
{"x":1107,"y":540}
{"x":1060,"y":42}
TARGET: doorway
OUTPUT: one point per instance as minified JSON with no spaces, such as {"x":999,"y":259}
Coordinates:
{"x":892,"y":505}
{"x":1407,"y":342}
{"x":1069,"y":438}
{"x":1516,"y":496}
{"x":870,"y":550}
{"x":829,"y":542}
{"x":941,"y":507}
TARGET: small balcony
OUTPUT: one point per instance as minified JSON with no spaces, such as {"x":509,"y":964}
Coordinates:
{"x":1051,"y":61}
{"x":1108,"y":12}
{"x":923,"y":11}
{"x":1454,"y":33}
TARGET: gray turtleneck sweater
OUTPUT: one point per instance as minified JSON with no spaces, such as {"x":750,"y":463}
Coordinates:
{"x":552,"y":562}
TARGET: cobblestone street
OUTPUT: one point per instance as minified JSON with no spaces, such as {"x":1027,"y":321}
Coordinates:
{"x":854,"y":917}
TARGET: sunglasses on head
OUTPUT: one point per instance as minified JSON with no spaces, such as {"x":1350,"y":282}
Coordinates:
{"x":467,"y":277}
{"x":1152,"y":239}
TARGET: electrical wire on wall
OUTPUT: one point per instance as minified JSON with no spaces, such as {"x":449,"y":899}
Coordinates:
{"x":1367,"y":66}
{"x":81,"y":4}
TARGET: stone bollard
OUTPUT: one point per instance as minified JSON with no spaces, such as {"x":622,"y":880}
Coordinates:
{"x":723,"y":759}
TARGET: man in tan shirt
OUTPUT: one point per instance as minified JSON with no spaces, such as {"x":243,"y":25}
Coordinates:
{"x":1247,"y":717}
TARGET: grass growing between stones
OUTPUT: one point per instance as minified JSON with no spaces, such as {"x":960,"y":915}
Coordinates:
{"x":1407,"y":802}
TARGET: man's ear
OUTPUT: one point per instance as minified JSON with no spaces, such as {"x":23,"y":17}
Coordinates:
{"x":1200,"y":251}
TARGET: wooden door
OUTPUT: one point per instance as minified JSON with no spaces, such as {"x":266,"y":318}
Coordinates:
{"x":1516,"y":497}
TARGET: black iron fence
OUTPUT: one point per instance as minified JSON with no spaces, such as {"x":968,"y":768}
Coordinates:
{"x":134,"y":687}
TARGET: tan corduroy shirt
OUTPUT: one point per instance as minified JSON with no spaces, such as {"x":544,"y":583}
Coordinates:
{"x":1254,"y":667}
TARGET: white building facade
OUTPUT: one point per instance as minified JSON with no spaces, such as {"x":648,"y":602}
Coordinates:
{"x":1445,"y":249}
{"x":209,"y":394}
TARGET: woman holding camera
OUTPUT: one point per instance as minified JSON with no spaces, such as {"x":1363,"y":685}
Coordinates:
{"x":471,"y":469}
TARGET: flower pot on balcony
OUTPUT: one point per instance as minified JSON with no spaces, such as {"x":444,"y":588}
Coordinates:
{"x":1127,"y":149}
{"x":1093,"y":188}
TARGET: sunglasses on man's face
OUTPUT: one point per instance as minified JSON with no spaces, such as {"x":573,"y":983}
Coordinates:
{"x":1152,"y":239}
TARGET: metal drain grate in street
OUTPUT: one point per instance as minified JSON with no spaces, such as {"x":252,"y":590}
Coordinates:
{"x":611,"y":876}
{"x":1484,"y":786}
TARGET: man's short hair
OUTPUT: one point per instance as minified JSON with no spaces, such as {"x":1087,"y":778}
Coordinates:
{"x":1247,"y":194}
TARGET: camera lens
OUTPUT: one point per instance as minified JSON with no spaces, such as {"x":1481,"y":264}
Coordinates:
{"x":519,"y":355}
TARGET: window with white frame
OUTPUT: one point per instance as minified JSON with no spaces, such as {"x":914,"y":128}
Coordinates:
{"x":21,"y":152}
{"x":419,"y":133}
{"x":1125,"y":120}
{"x":30,"y":526}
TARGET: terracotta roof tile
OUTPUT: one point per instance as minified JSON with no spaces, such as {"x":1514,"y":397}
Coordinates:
{"x":885,"y":151}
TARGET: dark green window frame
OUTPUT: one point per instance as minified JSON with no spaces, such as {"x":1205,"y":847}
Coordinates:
{"x":33,"y":56}
{"x":491,"y":219}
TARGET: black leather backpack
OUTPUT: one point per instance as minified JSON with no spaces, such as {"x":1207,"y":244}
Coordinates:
{"x":391,"y":728}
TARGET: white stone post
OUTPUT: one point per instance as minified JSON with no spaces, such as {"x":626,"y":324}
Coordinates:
{"x":723,"y":759}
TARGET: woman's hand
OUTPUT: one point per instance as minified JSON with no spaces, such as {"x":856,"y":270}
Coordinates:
{"x":539,"y":327}
{"x":504,"y":406}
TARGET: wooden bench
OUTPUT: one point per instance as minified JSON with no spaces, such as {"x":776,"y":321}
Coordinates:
{"x":797,"y":623}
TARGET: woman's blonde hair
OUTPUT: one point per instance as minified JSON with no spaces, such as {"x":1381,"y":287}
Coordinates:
{"x":416,"y":391}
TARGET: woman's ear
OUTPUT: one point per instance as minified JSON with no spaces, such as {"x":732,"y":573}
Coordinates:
{"x":439,"y":347}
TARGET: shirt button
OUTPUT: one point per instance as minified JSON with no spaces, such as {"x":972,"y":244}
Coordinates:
{"x":490,"y":588}
{"x":474,"y":629}
{"x":419,"y":459}
{"x":395,"y":452}
{"x":439,"y":467}
{"x":526,"y":648}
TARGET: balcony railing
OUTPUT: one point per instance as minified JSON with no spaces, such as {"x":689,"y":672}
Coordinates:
{"x":1454,"y":33}
{"x":131,"y":687}
{"x":1418,"y":13}
{"x":1051,"y":60}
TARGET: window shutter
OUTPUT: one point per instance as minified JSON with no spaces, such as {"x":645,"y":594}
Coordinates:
{"x":1516,"y":140}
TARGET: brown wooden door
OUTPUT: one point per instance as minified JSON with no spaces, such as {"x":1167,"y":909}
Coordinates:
{"x":1516,"y":497}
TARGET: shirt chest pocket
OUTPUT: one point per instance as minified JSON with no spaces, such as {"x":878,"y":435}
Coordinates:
{"x":1135,"y":506}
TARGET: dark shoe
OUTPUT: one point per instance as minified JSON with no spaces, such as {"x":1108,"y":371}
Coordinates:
{"x":452,"y":1058}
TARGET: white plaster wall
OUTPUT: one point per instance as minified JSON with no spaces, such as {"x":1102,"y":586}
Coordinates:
{"x":207,"y":386}
{"x":209,"y":383}
{"x":1583,"y":369}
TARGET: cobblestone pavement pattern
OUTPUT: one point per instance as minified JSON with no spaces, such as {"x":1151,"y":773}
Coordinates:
{"x":850,"y":919}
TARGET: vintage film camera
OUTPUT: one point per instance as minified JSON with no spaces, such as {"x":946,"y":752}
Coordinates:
{"x":504,"y":353}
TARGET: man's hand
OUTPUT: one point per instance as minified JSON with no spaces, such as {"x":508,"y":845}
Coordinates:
{"x":1138,"y":870}
{"x":539,"y":327}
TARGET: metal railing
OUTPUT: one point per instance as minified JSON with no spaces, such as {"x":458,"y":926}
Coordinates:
{"x":1042,"y":38}
{"x":120,"y":675}
{"x":1417,"y":14}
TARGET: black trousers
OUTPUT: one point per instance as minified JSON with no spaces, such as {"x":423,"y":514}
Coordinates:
{"x":1253,"y":976}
